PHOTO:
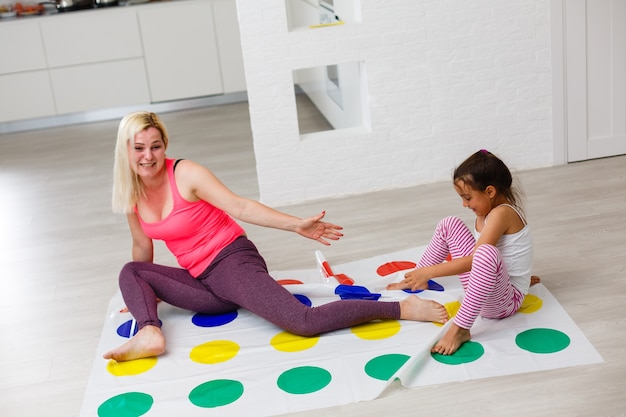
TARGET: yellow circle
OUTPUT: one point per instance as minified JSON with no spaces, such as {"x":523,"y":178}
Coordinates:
{"x":133,"y":367}
{"x":289,"y":342}
{"x":377,"y":330}
{"x":452,"y":308}
{"x":214,"y":352}
{"x":530,"y":304}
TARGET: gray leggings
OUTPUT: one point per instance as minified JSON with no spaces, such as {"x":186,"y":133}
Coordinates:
{"x":238,"y":277}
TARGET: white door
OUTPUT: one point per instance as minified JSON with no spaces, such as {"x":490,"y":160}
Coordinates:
{"x":595,"y":80}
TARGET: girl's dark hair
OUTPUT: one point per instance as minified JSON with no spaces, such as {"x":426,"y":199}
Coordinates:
{"x":483,"y":169}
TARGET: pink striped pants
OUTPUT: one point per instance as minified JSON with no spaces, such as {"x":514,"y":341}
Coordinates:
{"x":488,"y":290}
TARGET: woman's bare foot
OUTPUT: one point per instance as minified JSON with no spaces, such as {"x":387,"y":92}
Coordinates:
{"x":452,"y":340}
{"x":148,"y":341}
{"x":534,"y":279}
{"x":418,"y":309}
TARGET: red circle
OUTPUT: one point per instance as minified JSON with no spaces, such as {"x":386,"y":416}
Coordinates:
{"x":289,"y":281}
{"x":395,"y":266}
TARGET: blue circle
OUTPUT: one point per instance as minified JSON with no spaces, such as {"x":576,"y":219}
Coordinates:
{"x":213,"y":320}
{"x":432,"y":286}
{"x":303,"y":299}
{"x":125,"y":328}
{"x":131,"y":325}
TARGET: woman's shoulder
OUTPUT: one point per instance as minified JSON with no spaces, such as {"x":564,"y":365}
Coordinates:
{"x":186,"y":164}
{"x":184,"y":173}
{"x":184,"y":167}
{"x":191,"y":176}
{"x":191,"y":172}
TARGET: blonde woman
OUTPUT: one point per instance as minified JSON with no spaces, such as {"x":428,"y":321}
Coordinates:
{"x":186,"y":206}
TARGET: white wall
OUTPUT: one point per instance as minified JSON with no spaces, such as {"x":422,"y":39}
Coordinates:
{"x":345,"y":107}
{"x":444,"y":79}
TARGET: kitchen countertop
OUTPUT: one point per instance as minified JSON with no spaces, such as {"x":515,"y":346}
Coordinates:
{"x":50,"y":9}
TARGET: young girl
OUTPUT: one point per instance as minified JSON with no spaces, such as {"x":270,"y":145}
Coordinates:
{"x":494,"y":264}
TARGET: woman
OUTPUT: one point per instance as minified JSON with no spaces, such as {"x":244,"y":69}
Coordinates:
{"x":186,"y":206}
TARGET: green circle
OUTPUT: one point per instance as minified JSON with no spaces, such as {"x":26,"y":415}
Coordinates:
{"x":129,"y":404}
{"x":304,"y":380}
{"x":383,"y":367}
{"x":468,"y":352}
{"x":542,"y":340}
{"x":216,"y":393}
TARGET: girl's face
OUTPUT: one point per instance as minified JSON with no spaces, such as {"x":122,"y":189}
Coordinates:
{"x":147,"y":152}
{"x":480,"y":202}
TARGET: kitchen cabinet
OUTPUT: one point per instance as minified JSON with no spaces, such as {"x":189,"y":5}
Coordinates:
{"x":118,"y":57}
{"x":90,"y":36}
{"x":180,"y":50}
{"x":229,"y":45}
{"x":25,"y":90}
{"x":21,"y":48}
{"x":102,"y":69}
{"x":98,"y":86}
{"x":25,"y":95}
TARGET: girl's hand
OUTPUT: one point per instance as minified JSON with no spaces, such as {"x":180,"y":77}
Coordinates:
{"x":413,"y":280}
{"x":314,"y":228}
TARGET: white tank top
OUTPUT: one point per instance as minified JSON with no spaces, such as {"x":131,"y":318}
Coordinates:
{"x":517,"y":253}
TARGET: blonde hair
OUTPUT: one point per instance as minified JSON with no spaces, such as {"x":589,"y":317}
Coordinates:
{"x":127,"y":186}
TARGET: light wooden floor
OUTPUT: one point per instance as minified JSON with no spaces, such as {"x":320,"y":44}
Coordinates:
{"x":61,"y":249}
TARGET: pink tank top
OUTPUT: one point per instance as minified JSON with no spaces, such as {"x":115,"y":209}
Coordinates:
{"x":194,"y":232}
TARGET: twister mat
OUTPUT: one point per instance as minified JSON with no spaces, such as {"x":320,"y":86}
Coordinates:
{"x":238,"y":364}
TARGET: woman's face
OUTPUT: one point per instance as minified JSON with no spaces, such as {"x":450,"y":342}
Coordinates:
{"x":147,"y":152}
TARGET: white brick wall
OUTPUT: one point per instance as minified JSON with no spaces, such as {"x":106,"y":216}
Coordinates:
{"x":445,"y":78}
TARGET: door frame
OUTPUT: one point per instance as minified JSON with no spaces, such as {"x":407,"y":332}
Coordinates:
{"x":559,"y":115}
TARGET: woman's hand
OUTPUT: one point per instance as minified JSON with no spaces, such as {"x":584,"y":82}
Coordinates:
{"x":414,"y":280}
{"x":315,"y":229}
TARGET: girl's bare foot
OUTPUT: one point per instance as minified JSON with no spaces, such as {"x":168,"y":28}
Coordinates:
{"x":452,"y":340}
{"x":148,"y":341}
{"x":418,"y":309}
{"x":534,"y":279}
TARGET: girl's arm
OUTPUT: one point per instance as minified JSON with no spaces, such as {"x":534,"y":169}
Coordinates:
{"x":417,"y":279}
{"x":502,"y":220}
{"x":143,"y":249}
{"x":196,"y":182}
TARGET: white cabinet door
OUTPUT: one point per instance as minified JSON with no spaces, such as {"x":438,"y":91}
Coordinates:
{"x":595,"y":38}
{"x":88,"y":36}
{"x":99,"y":86}
{"x":180,"y":50}
{"x":25,"y":95}
{"x":229,"y":45}
{"x":21,"y":48}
